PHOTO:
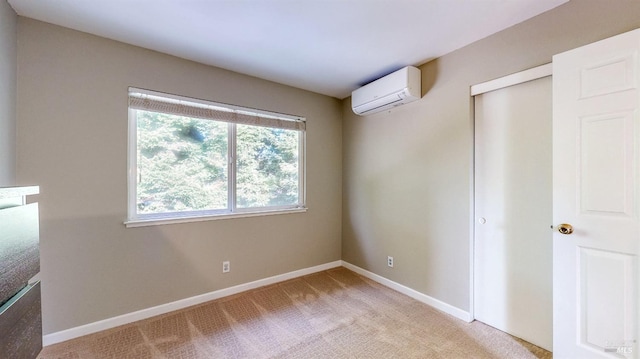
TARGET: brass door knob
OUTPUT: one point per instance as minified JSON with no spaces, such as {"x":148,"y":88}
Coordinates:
{"x":565,"y":228}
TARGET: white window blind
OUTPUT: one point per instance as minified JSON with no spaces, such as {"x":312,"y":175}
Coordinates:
{"x":176,"y":105}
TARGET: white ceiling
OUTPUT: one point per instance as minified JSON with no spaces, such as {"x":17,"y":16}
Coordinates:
{"x":327,"y":46}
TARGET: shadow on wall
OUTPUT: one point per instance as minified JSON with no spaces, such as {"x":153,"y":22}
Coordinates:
{"x":429,"y":74}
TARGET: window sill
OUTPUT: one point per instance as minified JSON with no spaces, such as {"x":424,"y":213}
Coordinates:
{"x":171,"y":220}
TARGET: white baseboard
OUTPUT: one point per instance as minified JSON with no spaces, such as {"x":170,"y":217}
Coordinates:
{"x":109,"y":323}
{"x":440,"y":305}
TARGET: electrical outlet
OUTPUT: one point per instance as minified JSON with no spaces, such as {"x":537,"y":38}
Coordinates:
{"x":390,"y":261}
{"x":226,"y":267}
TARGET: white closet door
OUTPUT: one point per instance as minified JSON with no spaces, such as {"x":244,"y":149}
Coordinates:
{"x":513,"y":204}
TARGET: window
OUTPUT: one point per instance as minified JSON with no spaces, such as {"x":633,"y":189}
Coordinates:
{"x":191,"y":160}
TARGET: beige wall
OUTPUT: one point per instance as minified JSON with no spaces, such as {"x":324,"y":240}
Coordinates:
{"x":8,"y":35}
{"x":407,"y":173}
{"x":72,"y":141}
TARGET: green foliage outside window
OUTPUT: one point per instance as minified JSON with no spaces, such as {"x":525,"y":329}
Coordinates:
{"x":183,"y":165}
{"x":267,"y":161}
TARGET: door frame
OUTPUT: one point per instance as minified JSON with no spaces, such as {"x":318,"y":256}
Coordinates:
{"x":478,"y":89}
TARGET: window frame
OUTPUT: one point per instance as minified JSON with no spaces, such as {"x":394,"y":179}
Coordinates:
{"x":134,"y":219}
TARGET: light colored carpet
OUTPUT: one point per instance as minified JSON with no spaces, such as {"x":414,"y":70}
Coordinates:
{"x":331,"y":314}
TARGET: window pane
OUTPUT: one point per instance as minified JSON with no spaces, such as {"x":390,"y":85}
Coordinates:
{"x":182,"y":163}
{"x":267,"y":166}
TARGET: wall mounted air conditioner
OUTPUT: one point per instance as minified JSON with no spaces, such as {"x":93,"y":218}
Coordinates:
{"x":395,"y":89}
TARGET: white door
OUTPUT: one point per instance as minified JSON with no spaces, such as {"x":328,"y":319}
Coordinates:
{"x":596,"y":190}
{"x":513,"y":194}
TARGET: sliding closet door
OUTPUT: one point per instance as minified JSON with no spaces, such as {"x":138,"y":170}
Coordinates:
{"x":513,"y":203}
